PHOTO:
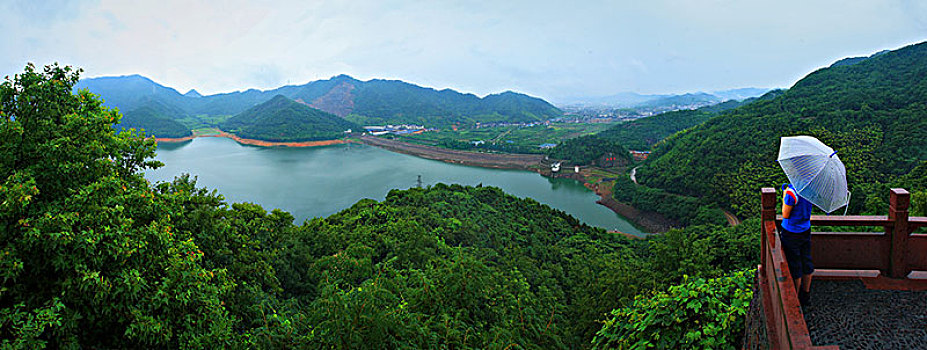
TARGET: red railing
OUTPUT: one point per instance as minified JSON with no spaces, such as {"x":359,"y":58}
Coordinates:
{"x":895,"y":253}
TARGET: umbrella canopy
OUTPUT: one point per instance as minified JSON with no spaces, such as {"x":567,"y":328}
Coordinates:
{"x":815,"y":171}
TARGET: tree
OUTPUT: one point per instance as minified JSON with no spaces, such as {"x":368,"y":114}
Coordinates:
{"x":89,"y":253}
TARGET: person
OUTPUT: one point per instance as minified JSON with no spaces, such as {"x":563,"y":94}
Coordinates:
{"x":796,"y":240}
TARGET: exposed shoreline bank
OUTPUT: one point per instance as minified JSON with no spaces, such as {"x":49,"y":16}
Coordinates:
{"x":253,"y":142}
{"x":486,"y":160}
{"x":649,"y":222}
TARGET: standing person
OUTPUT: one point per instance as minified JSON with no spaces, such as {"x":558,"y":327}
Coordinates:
{"x":796,"y":240}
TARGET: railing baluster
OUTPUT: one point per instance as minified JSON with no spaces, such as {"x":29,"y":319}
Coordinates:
{"x":898,"y":200}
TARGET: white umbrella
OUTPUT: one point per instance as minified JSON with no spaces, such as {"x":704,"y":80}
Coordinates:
{"x":815,"y":171}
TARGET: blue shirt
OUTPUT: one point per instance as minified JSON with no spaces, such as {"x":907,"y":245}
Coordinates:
{"x":800,"y":218}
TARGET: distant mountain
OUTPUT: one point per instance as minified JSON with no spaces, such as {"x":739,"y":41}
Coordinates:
{"x":374,"y":101}
{"x":193,"y":93}
{"x":619,"y":100}
{"x":129,"y":92}
{"x":635,"y":100}
{"x":684,"y":100}
{"x":285,"y":120}
{"x":740,"y":94}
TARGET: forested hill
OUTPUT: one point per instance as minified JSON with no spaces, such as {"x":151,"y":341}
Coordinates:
{"x":873,"y":112}
{"x":641,"y":134}
{"x":155,"y":119}
{"x":374,"y":101}
{"x":284,"y":120}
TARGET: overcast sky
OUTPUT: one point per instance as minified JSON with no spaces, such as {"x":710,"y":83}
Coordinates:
{"x":552,"y":49}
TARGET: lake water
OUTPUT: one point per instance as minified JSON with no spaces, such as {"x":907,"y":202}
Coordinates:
{"x":320,"y":181}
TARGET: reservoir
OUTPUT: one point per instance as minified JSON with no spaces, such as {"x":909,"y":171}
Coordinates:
{"x":320,"y":181}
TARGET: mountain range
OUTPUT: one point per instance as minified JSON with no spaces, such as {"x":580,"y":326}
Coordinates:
{"x":635,"y":100}
{"x":362,"y":102}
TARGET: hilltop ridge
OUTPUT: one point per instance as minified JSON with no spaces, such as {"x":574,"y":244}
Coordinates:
{"x":375,"y":101}
{"x":283,"y":120}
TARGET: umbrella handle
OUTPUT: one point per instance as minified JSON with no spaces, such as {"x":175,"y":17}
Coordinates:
{"x":847,"y":207}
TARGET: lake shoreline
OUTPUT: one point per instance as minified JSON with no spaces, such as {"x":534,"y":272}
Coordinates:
{"x":518,"y":161}
{"x":650,"y":222}
{"x":254,"y":142}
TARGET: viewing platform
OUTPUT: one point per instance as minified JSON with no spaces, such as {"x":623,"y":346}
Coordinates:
{"x":869,"y":289}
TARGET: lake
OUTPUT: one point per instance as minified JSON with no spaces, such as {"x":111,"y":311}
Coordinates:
{"x":320,"y":181}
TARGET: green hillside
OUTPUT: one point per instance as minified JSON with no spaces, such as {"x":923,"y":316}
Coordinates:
{"x":643,"y":133}
{"x":872,"y":112}
{"x":638,"y":134}
{"x":585,"y":150}
{"x":156,"y":119}
{"x":284,"y":120}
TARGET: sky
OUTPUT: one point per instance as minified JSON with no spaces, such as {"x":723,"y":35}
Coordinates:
{"x":558,"y":50}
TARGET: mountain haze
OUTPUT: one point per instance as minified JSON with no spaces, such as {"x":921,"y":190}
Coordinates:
{"x":632,"y":99}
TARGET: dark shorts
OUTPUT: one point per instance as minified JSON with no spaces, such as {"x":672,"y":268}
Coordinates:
{"x":797,"y":249}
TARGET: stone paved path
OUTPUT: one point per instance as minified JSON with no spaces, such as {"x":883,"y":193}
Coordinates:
{"x":847,"y":314}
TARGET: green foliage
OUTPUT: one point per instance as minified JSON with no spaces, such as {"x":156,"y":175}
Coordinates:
{"x":588,"y":149}
{"x":703,"y":251}
{"x":473,"y":265}
{"x":156,"y":119}
{"x":870,"y":112}
{"x":397,"y":102}
{"x":285,"y":120}
{"x":89,"y":251}
{"x":684,"y":210}
{"x":697,"y":314}
{"x":643,"y":133}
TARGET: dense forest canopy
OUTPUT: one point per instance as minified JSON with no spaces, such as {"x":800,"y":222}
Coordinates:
{"x":95,"y":256}
{"x":155,"y":119}
{"x":285,"y":120}
{"x":871,"y":112}
{"x":589,"y":149}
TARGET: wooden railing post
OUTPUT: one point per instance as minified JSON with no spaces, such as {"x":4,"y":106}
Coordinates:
{"x":768,"y":202}
{"x":899,"y":200}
